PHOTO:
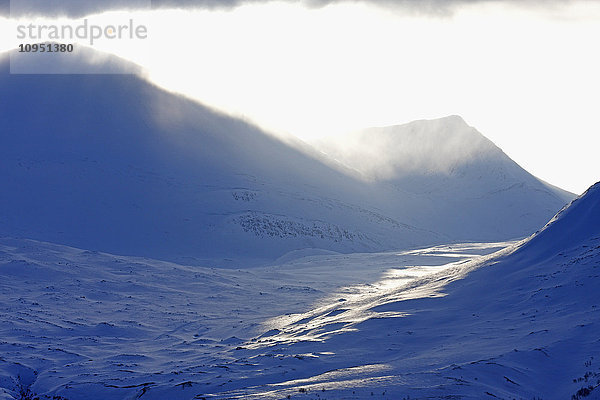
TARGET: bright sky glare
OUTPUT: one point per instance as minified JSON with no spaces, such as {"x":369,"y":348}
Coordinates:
{"x":526,"y":78}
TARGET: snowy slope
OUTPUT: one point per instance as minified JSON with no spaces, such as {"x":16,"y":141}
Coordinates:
{"x":454,"y":173}
{"x":112,"y":163}
{"x":520,"y":324}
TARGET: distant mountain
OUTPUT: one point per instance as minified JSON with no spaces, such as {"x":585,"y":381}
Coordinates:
{"x":453,"y":177}
{"x":425,"y":147}
{"x":113,"y":163}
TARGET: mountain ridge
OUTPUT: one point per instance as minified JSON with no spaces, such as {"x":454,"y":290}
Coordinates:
{"x":113,"y":163}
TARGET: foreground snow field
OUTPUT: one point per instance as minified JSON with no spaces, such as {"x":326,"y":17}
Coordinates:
{"x":87,"y":325}
{"x":441,"y":322}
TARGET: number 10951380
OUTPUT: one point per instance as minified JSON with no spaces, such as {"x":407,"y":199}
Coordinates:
{"x":46,"y":48}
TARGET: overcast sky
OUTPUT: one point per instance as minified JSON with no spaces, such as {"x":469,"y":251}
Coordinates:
{"x":524,"y":73}
{"x":79,"y":8}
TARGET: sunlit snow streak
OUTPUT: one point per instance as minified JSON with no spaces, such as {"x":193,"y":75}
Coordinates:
{"x":399,"y":281}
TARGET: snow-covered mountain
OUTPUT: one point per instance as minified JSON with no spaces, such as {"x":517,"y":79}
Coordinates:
{"x":447,"y":170}
{"x":113,"y":163}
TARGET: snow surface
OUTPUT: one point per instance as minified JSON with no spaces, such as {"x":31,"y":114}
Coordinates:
{"x":441,"y":322}
{"x":521,"y":323}
{"x":89,"y":325}
{"x":112,"y":163}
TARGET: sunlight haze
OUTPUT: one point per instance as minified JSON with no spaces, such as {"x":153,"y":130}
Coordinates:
{"x":526,"y":78}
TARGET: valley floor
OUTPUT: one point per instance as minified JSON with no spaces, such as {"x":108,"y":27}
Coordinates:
{"x":76,"y":324}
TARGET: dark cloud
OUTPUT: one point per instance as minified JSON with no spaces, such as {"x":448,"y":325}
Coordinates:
{"x":79,"y":8}
{"x":4,"y":8}
{"x":71,"y":8}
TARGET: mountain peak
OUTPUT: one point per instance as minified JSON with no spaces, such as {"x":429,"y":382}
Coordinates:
{"x":574,"y":224}
{"x":84,"y":61}
{"x":455,"y":117}
{"x":450,"y":120}
{"x":435,"y":146}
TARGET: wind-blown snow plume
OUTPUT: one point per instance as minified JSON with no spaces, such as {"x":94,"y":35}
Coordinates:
{"x":421,"y":147}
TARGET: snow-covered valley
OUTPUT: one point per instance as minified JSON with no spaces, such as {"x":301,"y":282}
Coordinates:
{"x":82,"y":324}
{"x":499,"y":320}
